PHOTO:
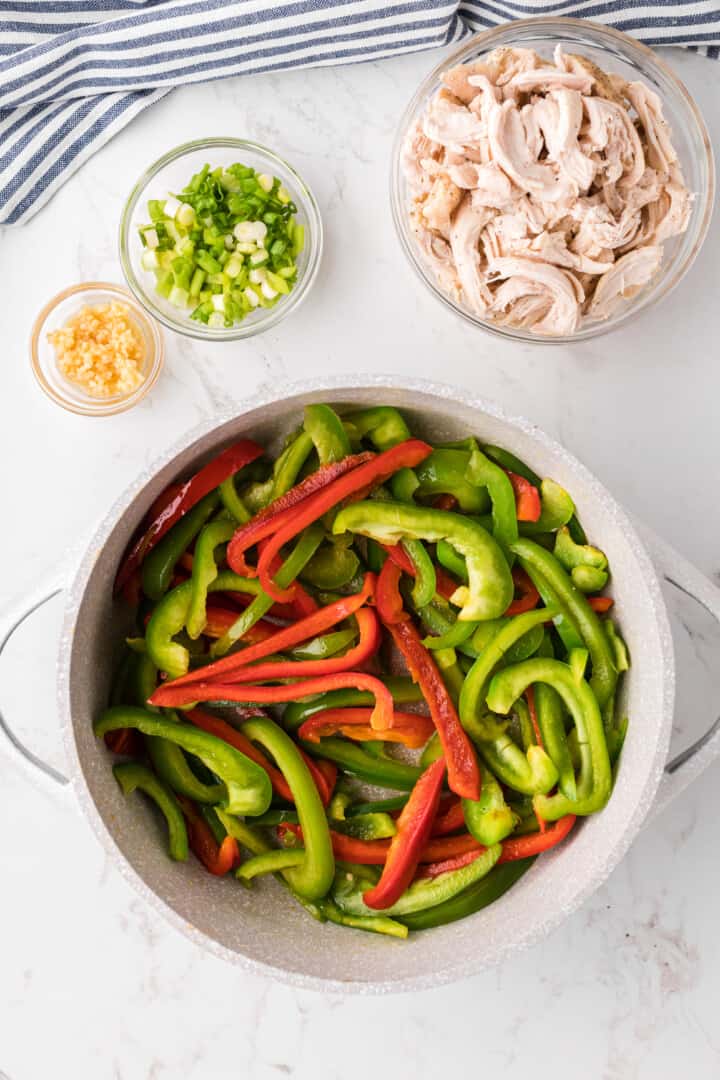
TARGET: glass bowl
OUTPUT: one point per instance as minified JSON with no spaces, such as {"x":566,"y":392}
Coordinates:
{"x":42,"y":354}
{"x":614,"y":52}
{"x":172,"y":173}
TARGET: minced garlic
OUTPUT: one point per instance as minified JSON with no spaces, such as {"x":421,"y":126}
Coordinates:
{"x":101,"y":350}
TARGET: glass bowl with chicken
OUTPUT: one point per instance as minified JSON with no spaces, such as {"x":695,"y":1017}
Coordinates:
{"x":551,"y":179}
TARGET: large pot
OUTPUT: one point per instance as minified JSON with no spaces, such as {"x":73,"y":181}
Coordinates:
{"x":262,"y":930}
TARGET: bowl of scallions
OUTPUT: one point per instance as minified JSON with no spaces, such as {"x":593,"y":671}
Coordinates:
{"x":220,"y":239}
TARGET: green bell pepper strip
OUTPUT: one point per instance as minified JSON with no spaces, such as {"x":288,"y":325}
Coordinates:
{"x":490,"y":588}
{"x":557,"y":510}
{"x":448,"y":557}
{"x":247,"y":787}
{"x":537,"y":561}
{"x":167,"y":620}
{"x":132,"y":776}
{"x":486,"y":473}
{"x":594,"y":783}
{"x":589,"y":579}
{"x":619,"y":648}
{"x":472,"y":696}
{"x":323,"y":647}
{"x":232,"y":502}
{"x":569,"y":554}
{"x":472,"y":899}
{"x":439,"y":618}
{"x":452,"y":674}
{"x":404,"y":485}
{"x":383,"y":771}
{"x":423,"y":893}
{"x":376,"y":825}
{"x":445,"y":472}
{"x":566,"y":629}
{"x":489,"y":819}
{"x":328,"y":435}
{"x":269,"y":862}
{"x":374,"y":924}
{"x":530,"y":772}
{"x":289,"y":464}
{"x":331,"y":567}
{"x":522,"y":649}
{"x":551,"y":722}
{"x":525,"y":725}
{"x":313,"y":877}
{"x":273,"y":818}
{"x":433,"y":750}
{"x":382,"y":425}
{"x":308,"y":543}
{"x":379,"y":806}
{"x":404,"y":692}
{"x":514,"y":464}
{"x":578,"y":661}
{"x":457,"y":635}
{"x":204,"y":572}
{"x":157,"y":569}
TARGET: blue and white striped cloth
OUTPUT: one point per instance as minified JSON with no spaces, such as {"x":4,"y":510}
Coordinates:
{"x":74,"y":72}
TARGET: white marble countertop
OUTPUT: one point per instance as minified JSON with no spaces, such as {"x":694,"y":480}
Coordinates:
{"x":93,"y":984}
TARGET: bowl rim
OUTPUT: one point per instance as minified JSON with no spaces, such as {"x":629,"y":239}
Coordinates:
{"x":96,"y":406}
{"x":399,"y":216}
{"x":468,"y":964}
{"x":244,"y":329}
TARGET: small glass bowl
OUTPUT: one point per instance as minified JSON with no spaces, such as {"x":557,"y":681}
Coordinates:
{"x":54,"y":316}
{"x":613,"y":51}
{"x":171,"y":174}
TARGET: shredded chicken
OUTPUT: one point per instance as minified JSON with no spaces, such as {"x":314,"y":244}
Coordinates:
{"x":542,"y":191}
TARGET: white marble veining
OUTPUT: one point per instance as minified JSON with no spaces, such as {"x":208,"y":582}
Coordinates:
{"x":93,"y":984}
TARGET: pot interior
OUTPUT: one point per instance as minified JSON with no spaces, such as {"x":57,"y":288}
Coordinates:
{"x":264,"y":927}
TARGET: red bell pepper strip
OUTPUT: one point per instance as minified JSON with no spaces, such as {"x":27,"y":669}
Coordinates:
{"x":528,"y":597}
{"x":374,"y":852}
{"x":463,"y":772}
{"x":455,"y":862}
{"x":282,"y":509}
{"x":324,"y":773}
{"x":413,"y":830}
{"x":522,"y":847}
{"x":219,"y":860}
{"x":367,"y":646}
{"x":446,"y":586}
{"x":123,"y":741}
{"x":204,"y":481}
{"x":601,"y":604}
{"x":387,"y":597}
{"x":450,"y":819}
{"x":309,"y":627}
{"x":382,"y":715}
{"x":356,"y":484}
{"x":527,"y":498}
{"x":409,"y":729}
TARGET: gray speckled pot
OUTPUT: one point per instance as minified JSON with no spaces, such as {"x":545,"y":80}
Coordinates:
{"x":262,"y":930}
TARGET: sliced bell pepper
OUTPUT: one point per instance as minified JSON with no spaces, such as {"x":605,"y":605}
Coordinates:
{"x":313,"y":877}
{"x":221,"y":729}
{"x":444,"y":584}
{"x":473,"y":898}
{"x":353,"y":759}
{"x":445,"y":473}
{"x":463,"y":772}
{"x":248,"y":789}
{"x":382,"y":714}
{"x":218,"y":859}
{"x":537,"y":561}
{"x":285,"y":507}
{"x":388,"y":599}
{"x":522,"y":847}
{"x":600,"y":604}
{"x":449,"y":819}
{"x":284,"y":639}
{"x":132,"y":776}
{"x":403,"y":690}
{"x":528,"y":597}
{"x":527,"y":497}
{"x":187,"y":495}
{"x":529,"y":771}
{"x":355,"y":484}
{"x":326,"y":430}
{"x":158,"y":567}
{"x":408,"y":729}
{"x":374,"y":852}
{"x":423,"y":893}
{"x":204,"y":572}
{"x":490,"y":587}
{"x":594,"y":783}
{"x":413,"y":830}
{"x":489,"y":819}
{"x":383,"y":425}
{"x":485,"y":473}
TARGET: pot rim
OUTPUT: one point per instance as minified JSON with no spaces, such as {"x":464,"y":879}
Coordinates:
{"x":468,"y":964}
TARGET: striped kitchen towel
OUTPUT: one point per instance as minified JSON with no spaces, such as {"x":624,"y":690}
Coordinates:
{"x":74,"y":72}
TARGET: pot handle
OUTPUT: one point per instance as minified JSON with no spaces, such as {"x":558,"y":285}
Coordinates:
{"x":677,"y":571}
{"x":12,"y":621}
